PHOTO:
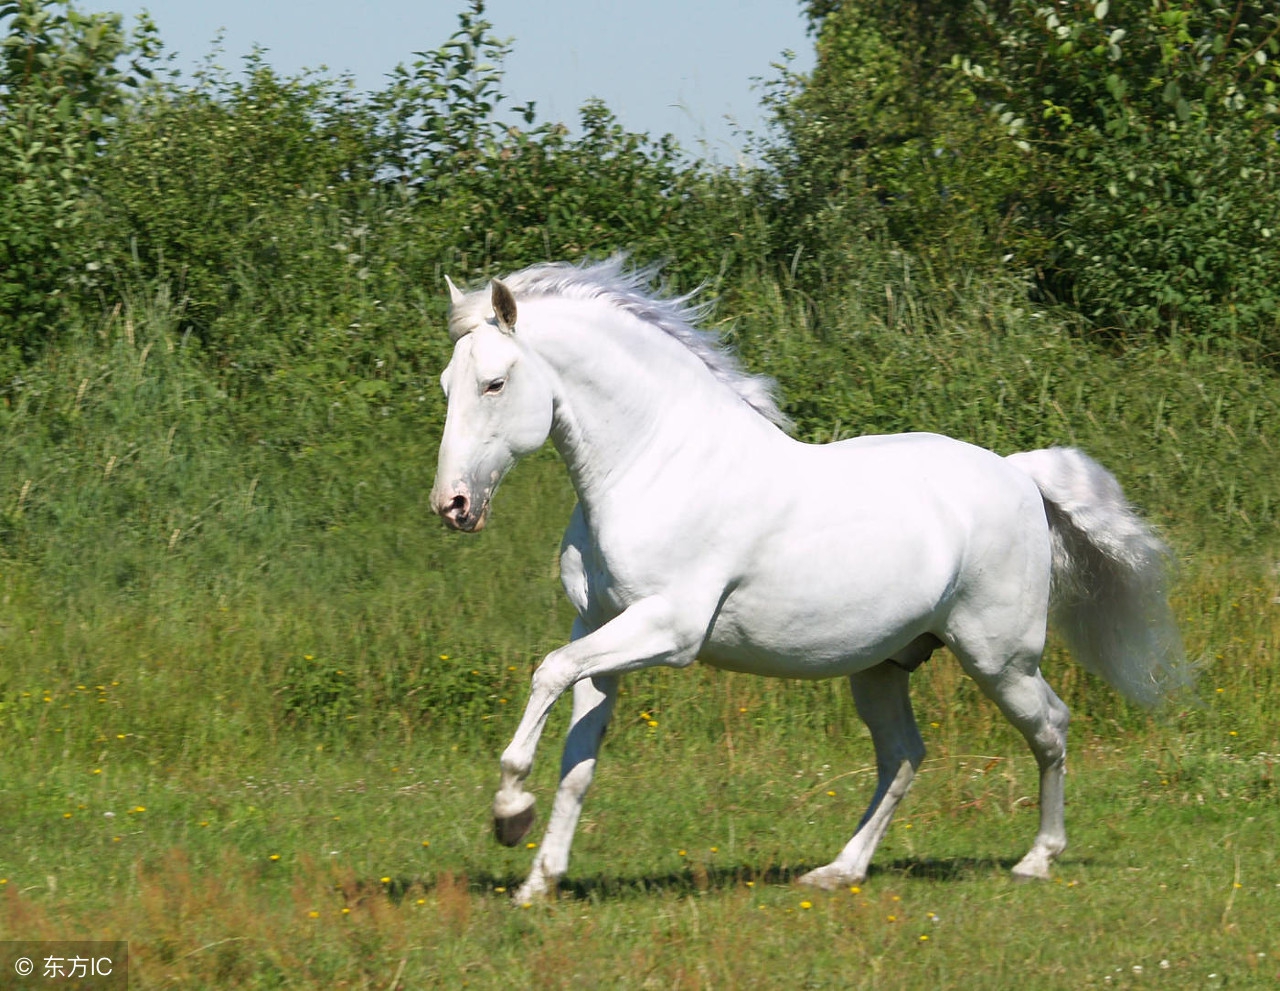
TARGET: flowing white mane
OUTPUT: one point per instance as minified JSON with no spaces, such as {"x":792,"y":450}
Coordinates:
{"x":626,"y":289}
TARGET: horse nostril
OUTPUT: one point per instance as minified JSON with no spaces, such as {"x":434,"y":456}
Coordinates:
{"x":457,"y":507}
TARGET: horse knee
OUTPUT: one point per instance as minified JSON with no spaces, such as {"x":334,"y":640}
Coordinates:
{"x":550,"y":678}
{"x":515,"y":764}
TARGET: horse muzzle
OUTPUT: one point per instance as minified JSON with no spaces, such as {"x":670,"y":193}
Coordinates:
{"x":459,"y":512}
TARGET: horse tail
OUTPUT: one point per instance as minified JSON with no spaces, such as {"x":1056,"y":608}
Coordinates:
{"x":1109,"y":592}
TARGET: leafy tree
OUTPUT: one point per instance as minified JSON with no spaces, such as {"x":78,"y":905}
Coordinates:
{"x":1122,"y":151}
{"x":503,"y":190}
{"x":226,"y":184}
{"x":882,"y":142}
{"x":438,"y":119}
{"x":306,"y":202}
{"x":64,"y":76}
{"x":1160,"y":181}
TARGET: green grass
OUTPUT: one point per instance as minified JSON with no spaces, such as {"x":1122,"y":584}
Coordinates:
{"x":231,"y":622}
{"x":683,"y":870}
{"x":170,"y":710}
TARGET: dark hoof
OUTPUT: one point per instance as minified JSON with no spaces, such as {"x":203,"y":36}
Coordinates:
{"x":512,"y":829}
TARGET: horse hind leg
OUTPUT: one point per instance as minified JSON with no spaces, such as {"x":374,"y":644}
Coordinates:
{"x":1019,"y":690}
{"x":882,"y":697}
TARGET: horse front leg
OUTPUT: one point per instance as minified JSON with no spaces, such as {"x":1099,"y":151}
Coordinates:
{"x":648,"y":633}
{"x":513,"y":807}
{"x":593,"y":700}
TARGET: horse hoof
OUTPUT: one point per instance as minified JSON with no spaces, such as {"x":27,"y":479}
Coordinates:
{"x":510,"y":830}
{"x":528,"y":894}
{"x":828,"y":878}
{"x":1031,"y":868}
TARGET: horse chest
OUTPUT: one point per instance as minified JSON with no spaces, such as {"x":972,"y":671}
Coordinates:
{"x":597,"y":589}
{"x":608,"y":567}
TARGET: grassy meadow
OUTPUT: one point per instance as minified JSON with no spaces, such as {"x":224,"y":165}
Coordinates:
{"x":253,"y":706}
{"x":253,"y":695}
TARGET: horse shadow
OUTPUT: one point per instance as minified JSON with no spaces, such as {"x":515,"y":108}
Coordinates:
{"x":698,"y":879}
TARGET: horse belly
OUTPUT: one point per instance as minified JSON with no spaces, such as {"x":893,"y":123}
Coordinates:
{"x":793,"y":662}
{"x":826,"y":625}
{"x":863,"y":563}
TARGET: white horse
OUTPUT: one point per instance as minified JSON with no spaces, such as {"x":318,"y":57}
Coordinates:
{"x":704,"y":532}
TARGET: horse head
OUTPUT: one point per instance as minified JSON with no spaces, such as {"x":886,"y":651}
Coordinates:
{"x":499,"y":406}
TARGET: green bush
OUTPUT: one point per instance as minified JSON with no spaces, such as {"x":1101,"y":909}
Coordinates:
{"x":225,"y":182}
{"x":1159,"y":179}
{"x":304,"y":229}
{"x":881,"y":142}
{"x":1124,"y":153}
{"x":62,"y":89}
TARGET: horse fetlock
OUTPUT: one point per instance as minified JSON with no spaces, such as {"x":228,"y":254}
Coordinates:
{"x":516,"y":765}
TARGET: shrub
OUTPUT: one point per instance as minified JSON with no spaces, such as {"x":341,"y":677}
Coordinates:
{"x":1160,"y":179}
{"x":1125,"y":153}
{"x":62,"y":87}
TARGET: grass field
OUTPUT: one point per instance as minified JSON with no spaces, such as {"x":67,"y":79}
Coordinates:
{"x":252,"y":697}
{"x":165,"y":784}
{"x":348,"y":868}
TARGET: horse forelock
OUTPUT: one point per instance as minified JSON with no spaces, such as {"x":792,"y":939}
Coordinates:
{"x":466,"y":315}
{"x":627,"y":289}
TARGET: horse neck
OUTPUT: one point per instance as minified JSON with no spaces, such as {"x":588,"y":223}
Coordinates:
{"x":626,"y":394}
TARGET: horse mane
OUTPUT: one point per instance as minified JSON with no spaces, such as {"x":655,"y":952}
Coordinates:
{"x":676,"y":316}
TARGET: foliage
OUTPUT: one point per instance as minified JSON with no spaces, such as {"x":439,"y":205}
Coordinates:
{"x":1125,"y":153}
{"x":62,"y":89}
{"x":438,"y":118}
{"x":500,"y":195}
{"x":228,"y":182}
{"x":881,"y":144}
{"x":1161,"y":121}
{"x":304,"y":228}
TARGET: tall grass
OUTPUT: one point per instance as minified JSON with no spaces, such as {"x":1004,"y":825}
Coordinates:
{"x":160,"y":535}
{"x":1192,"y":433}
{"x":252,"y":694}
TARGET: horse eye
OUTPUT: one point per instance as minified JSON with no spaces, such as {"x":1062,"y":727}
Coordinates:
{"x":494,"y":387}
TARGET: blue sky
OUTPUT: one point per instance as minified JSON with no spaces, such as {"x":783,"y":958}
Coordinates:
{"x":678,"y":66}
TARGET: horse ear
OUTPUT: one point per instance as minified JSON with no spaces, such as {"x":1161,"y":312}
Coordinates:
{"x":504,"y":307}
{"x":455,"y":294}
